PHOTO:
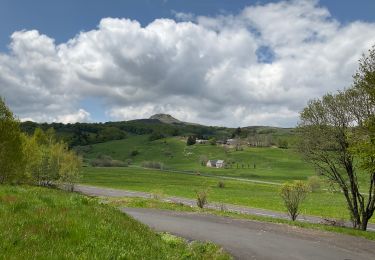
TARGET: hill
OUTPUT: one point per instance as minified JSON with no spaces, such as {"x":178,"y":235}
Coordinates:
{"x":159,"y":126}
{"x":165,"y":118}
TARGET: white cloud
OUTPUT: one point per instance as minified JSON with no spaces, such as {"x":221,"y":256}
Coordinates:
{"x":204,"y":71}
{"x":80,"y":116}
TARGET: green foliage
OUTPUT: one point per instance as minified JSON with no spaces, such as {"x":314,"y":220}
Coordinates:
{"x":134,"y":153}
{"x":338,"y":129}
{"x":48,"y":161}
{"x":202,"y":196}
{"x":212,"y":141}
{"x":221,"y":184}
{"x":156,"y":136}
{"x":293,"y":195}
{"x":283,"y":143}
{"x":11,"y":149}
{"x":190,"y":140}
{"x":107,"y":161}
{"x":153,"y":165}
{"x":203,"y":159}
{"x":314,"y":183}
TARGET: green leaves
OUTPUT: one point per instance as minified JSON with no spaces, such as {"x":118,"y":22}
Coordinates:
{"x":293,"y":194}
{"x":11,"y":151}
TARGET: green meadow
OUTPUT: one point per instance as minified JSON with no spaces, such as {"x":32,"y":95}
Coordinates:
{"x":268,"y":164}
{"x":41,"y":223}
{"x":183,"y":175}
{"x":266,"y":196}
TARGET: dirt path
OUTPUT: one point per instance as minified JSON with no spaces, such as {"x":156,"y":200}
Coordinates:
{"x":256,"y":240}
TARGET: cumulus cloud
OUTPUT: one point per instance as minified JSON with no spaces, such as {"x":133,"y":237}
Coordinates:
{"x":257,"y":67}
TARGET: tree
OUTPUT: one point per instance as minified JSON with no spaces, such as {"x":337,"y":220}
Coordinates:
{"x":70,"y":169}
{"x":293,"y":194}
{"x":11,"y":149}
{"x":212,"y":141}
{"x":203,"y":159}
{"x":191,"y":140}
{"x":338,"y":129}
{"x":202,"y":198}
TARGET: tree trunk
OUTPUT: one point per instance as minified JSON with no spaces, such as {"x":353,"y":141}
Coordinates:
{"x":364,"y":223}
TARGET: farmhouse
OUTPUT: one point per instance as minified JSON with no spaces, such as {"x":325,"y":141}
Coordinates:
{"x":215,"y":163}
{"x":201,"y":141}
{"x":231,"y":142}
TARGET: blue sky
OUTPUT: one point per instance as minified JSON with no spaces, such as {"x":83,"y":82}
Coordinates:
{"x":217,"y":62}
{"x":61,"y":20}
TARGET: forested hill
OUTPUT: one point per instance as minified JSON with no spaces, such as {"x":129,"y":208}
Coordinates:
{"x":156,"y":127}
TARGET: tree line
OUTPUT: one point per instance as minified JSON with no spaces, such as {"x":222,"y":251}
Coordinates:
{"x":39,"y":158}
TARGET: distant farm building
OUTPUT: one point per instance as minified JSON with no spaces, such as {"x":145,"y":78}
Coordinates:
{"x":231,"y":142}
{"x":215,"y":163}
{"x":201,"y":141}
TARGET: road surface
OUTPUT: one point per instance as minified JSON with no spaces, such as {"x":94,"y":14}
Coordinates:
{"x":108,"y":192}
{"x":246,"y":239}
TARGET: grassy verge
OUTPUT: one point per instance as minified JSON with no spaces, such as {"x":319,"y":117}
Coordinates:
{"x":157,"y":204}
{"x":40,"y":223}
{"x":322,"y":203}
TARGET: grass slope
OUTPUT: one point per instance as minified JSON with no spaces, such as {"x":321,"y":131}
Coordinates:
{"x":271,"y":164}
{"x":39,"y":223}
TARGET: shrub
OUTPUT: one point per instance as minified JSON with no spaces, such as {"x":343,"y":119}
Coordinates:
{"x":129,"y":161}
{"x":202,"y":198}
{"x":191,"y":140}
{"x":107,"y":161}
{"x":293,"y":194}
{"x":203,"y":159}
{"x":155,"y":136}
{"x":134,"y":153}
{"x":221,"y":184}
{"x":157,"y":194}
{"x":153,"y":165}
{"x":314,"y":183}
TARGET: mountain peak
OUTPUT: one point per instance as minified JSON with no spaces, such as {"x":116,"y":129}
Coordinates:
{"x":165,"y":118}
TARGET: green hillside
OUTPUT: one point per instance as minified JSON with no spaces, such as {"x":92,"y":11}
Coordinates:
{"x":159,"y":126}
{"x":270,"y":163}
{"x":40,"y":223}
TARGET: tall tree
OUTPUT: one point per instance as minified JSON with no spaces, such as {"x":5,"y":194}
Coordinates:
{"x":338,"y":129}
{"x":11,"y":150}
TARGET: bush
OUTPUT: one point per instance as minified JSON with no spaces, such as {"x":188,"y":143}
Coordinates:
{"x":293,"y":194}
{"x":212,"y":141}
{"x":107,"y":161}
{"x":191,"y":140}
{"x":157,"y":194}
{"x":134,"y":153}
{"x":221,"y":184}
{"x":283,"y":144}
{"x":202,"y":198}
{"x":156,"y":136}
{"x":153,"y":165}
{"x":314,"y":183}
{"x":203,"y":159}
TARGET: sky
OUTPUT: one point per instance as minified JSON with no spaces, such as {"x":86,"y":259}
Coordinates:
{"x":214,"y":62}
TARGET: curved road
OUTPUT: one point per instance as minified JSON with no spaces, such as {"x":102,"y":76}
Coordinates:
{"x":109,"y":192}
{"x":246,"y":239}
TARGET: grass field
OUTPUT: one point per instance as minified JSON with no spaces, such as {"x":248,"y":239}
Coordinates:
{"x":39,"y":223}
{"x":271,"y":164}
{"x":265,"y":196}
